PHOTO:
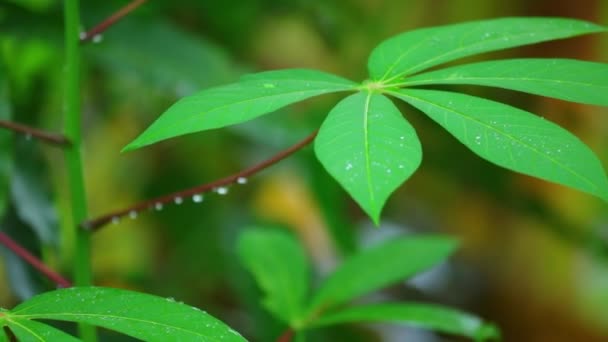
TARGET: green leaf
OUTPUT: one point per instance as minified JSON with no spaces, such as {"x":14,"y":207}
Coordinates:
{"x":513,"y":138}
{"x":428,"y":316}
{"x":369,"y":148}
{"x":380,"y":266}
{"x":139,"y":315}
{"x":27,"y":330}
{"x":279,"y":265}
{"x":565,"y":79}
{"x":235,"y":103}
{"x":421,"y":49}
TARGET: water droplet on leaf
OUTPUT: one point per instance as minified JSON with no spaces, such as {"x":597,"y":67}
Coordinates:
{"x":133,"y":214}
{"x":178,"y":200}
{"x":222,"y":190}
{"x":241,"y":180}
{"x":158,"y":206}
{"x":198,"y":198}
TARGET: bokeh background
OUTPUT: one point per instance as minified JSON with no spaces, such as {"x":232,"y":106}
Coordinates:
{"x":534,"y":255}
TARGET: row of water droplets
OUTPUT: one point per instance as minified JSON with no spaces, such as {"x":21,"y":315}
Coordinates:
{"x":196,"y":198}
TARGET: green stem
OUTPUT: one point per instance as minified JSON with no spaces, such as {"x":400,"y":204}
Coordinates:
{"x":72,"y":128}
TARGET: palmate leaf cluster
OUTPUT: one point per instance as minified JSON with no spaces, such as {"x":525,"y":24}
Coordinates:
{"x":370,"y":148}
{"x":367,"y":145}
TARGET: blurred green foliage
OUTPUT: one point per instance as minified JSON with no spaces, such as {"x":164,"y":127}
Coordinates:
{"x":534,"y":254}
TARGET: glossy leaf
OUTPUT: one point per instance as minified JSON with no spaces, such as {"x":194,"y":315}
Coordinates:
{"x":235,"y":103}
{"x":26,"y":330}
{"x":280,"y":268}
{"x":380,"y":266}
{"x":428,"y":316}
{"x":565,"y":79}
{"x":139,"y":315}
{"x":369,"y":148}
{"x":421,"y":49}
{"x":513,"y":138}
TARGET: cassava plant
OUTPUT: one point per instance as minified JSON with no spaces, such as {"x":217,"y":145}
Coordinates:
{"x":365,"y":144}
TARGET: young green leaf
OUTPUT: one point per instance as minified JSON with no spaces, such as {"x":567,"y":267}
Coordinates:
{"x":280,"y":268}
{"x":428,"y":316}
{"x":421,"y":49}
{"x":513,"y":138}
{"x":380,"y":266}
{"x":139,"y":315}
{"x":565,"y":79}
{"x":235,"y":103}
{"x":26,"y":330}
{"x":369,"y":148}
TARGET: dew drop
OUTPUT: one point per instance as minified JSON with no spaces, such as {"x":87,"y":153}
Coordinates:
{"x":115,"y":220}
{"x":82,"y":35}
{"x":158,"y":206}
{"x":198,"y":198}
{"x":170,"y":299}
{"x":349,"y":166}
{"x":222,"y":190}
{"x":97,"y":38}
{"x":478,"y":140}
{"x":28,"y":136}
{"x":133,"y":214}
{"x":241,"y":180}
{"x":178,"y":200}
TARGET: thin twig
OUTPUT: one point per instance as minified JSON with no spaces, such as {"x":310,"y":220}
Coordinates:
{"x":109,"y":21}
{"x":34,"y":261}
{"x":286,"y":336}
{"x":177,"y":197}
{"x":30,"y":132}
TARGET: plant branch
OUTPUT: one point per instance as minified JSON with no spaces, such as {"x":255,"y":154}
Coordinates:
{"x":177,"y":197}
{"x":30,"y":132}
{"x":72,"y":122}
{"x":34,"y":261}
{"x":109,"y":21}
{"x":286,"y":336}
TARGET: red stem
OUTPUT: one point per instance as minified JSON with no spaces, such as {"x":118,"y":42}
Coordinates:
{"x":111,"y":20}
{"x":286,"y":336}
{"x":158,"y":202}
{"x":56,"y":139}
{"x":34,"y":261}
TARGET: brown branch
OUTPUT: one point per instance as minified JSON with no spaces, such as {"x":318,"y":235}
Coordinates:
{"x":30,"y":132}
{"x":196,"y":192}
{"x":286,"y":336}
{"x":109,"y":21}
{"x":34,"y":261}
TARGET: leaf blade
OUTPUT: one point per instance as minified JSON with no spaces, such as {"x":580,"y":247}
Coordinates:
{"x":428,"y":316}
{"x":380,"y":266}
{"x":139,"y":315}
{"x":369,"y":148}
{"x":513,"y":139}
{"x":231,"y":104}
{"x":420,"y":49}
{"x":27,"y":330}
{"x":565,"y":79}
{"x":279,"y":265}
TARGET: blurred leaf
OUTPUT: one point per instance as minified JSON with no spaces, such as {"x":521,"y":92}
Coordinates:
{"x":380,"y":266}
{"x":139,"y":315}
{"x":421,"y":49}
{"x":31,"y":192}
{"x":280,"y":268}
{"x":565,"y":79}
{"x":428,"y":316}
{"x":34,"y":5}
{"x":513,"y":138}
{"x":138,"y":49}
{"x":227,"y":105}
{"x":24,"y":281}
{"x":6,"y":156}
{"x":26,"y":330}
{"x":369,"y":148}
